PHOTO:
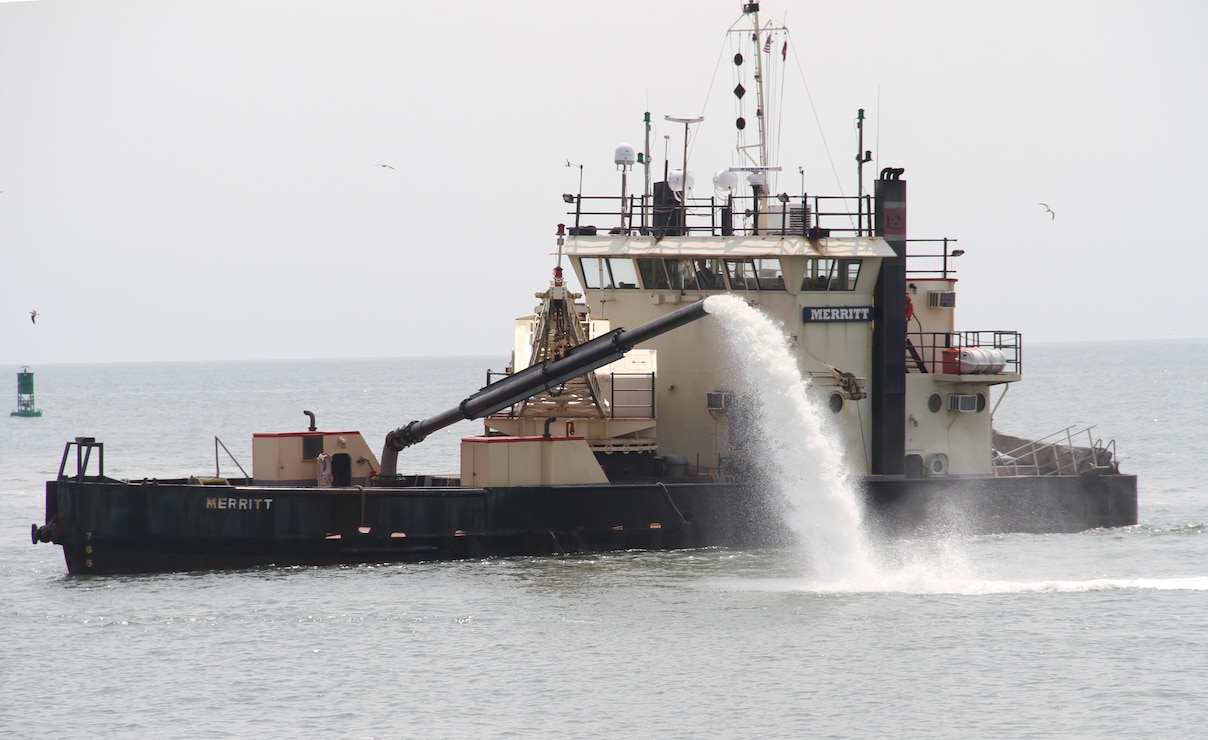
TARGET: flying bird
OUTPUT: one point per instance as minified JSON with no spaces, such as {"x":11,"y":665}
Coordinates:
{"x":1050,"y":210}
{"x":385,"y":165}
{"x":33,"y":317}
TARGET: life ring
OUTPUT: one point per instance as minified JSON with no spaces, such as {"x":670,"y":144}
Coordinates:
{"x":909,"y":308}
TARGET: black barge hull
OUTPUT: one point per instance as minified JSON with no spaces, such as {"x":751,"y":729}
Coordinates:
{"x":106,"y":526}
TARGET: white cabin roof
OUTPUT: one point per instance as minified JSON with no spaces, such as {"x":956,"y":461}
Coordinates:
{"x":735,"y":246}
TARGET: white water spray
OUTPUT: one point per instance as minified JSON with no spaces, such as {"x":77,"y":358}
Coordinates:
{"x":798,"y":450}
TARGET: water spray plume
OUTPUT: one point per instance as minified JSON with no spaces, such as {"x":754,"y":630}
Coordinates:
{"x":803,"y":459}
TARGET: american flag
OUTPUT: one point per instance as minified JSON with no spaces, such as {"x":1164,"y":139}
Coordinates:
{"x":767,"y":45}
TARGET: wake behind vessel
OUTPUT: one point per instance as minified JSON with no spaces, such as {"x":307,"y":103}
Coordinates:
{"x":601,"y":438}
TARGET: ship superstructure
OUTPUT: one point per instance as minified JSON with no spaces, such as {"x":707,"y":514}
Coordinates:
{"x":869,"y":314}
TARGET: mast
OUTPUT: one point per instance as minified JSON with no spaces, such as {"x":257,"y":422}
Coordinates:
{"x":760,"y":157}
{"x":862,"y":156}
{"x":758,"y":160}
{"x":759,"y":94}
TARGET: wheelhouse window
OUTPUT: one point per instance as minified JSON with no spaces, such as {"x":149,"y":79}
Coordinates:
{"x":823,"y":274}
{"x":654,"y":275}
{"x":682,"y":274}
{"x":696,"y":273}
{"x":755,"y":274}
{"x":708,"y":274}
{"x":609,"y":272}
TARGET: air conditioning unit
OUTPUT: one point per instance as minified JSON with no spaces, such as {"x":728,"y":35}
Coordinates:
{"x":963,"y":402}
{"x":941,"y":298}
{"x":773,"y":221}
{"x":718,"y":400}
{"x":799,"y":219}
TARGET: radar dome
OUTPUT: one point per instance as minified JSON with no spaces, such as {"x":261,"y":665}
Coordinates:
{"x":625,"y":155}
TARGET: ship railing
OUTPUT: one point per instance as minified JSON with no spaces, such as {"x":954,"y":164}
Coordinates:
{"x":930,"y":259}
{"x":84,"y":447}
{"x":940,"y":352}
{"x":1048,"y":456}
{"x":810,"y":216}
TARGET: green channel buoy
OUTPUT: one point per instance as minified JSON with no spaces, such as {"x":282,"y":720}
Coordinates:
{"x":25,"y":395}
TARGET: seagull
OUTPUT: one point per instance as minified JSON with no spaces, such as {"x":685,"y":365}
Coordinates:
{"x":33,"y":317}
{"x":1050,"y":210}
{"x":385,"y":165}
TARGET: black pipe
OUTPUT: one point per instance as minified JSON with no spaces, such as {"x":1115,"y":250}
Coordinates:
{"x":528,"y":382}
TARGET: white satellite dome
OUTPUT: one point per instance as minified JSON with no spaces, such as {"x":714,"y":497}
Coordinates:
{"x":676,"y":180}
{"x":725,"y":182}
{"x":625,"y":155}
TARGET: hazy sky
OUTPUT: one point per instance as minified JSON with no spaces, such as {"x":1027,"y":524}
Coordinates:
{"x":198,"y":180}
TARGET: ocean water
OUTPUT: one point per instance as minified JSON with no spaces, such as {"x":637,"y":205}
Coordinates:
{"x":1096,"y":634}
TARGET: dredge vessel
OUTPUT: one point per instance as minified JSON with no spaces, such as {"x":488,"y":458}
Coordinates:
{"x":594,"y":443}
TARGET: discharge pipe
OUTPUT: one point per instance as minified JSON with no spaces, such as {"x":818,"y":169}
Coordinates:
{"x":516,"y":387}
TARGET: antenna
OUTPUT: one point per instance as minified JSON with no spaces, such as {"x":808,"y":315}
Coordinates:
{"x":687,"y":122}
{"x":572,"y":165}
{"x":666,"y":156}
{"x":577,"y":199}
{"x":625,"y":156}
{"x":685,"y":183}
{"x":862,"y":156}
